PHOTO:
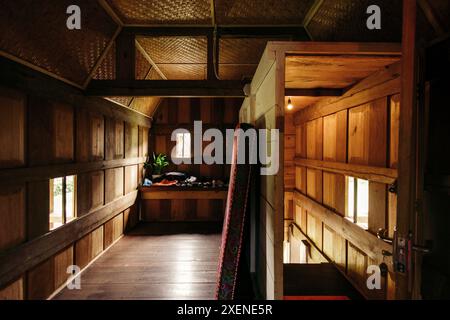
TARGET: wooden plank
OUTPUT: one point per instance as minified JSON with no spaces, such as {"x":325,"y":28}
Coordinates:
{"x":12,"y":128}
{"x":8,"y":176}
{"x":114,"y":186}
{"x":113,"y":230}
{"x":14,"y":291}
{"x":38,"y":195}
{"x":356,"y":265}
{"x":358,"y":135}
{"x":378,"y":133}
{"x":131,"y":179}
{"x":381,"y":84}
{"x":12,"y":217}
{"x":63,"y":123}
{"x":394,"y":130}
{"x":88,"y":247}
{"x":131,"y":140}
{"x":114,"y":139}
{"x":15,"y":262}
{"x":125,"y":56}
{"x":336,"y":48}
{"x":369,"y":244}
{"x":407,"y":141}
{"x":332,"y":71}
{"x":314,"y":184}
{"x":314,"y":137}
{"x":130,"y":218}
{"x":377,"y":206}
{"x":335,"y":137}
{"x":97,"y":150}
{"x":62,"y":261}
{"x":376,"y":174}
{"x":40,"y":281}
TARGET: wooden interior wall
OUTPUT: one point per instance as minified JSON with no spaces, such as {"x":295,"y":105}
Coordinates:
{"x":42,"y":137}
{"x":354,"y":135}
{"x":177,"y":113}
{"x":265,"y":109}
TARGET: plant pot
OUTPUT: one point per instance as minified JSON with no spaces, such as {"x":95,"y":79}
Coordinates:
{"x":156,"y":176}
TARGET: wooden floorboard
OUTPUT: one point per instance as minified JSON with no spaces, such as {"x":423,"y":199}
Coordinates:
{"x":154,"y":261}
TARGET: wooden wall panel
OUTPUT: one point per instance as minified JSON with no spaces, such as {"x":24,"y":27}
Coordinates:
{"x":15,"y":291}
{"x":314,"y":139}
{"x":12,"y":217}
{"x":356,"y":265}
{"x":334,"y":192}
{"x":377,"y":206}
{"x":50,"y":132}
{"x":314,"y":229}
{"x":300,"y":179}
{"x":130,"y":218}
{"x":314,"y":184}
{"x":97,"y":149}
{"x":362,"y":132}
{"x":113,"y":230}
{"x":394,"y":130}
{"x":131,"y":140}
{"x":38,"y":220}
{"x":97,"y":189}
{"x":40,"y":281}
{"x":143,"y":141}
{"x":300,"y":141}
{"x":63,"y":117}
{"x":12,"y":128}
{"x":335,"y":137}
{"x":115,"y":139}
{"x":62,"y":261}
{"x":113,"y":184}
{"x":368,"y":134}
{"x":131,"y":178}
{"x":358,"y":140}
{"x":89,"y":247}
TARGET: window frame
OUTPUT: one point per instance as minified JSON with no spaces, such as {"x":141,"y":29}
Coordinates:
{"x":183,"y":144}
{"x":64,"y":219}
{"x":353,"y":217}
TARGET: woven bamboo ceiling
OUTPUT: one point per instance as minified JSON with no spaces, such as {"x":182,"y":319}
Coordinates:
{"x":34,"y":33}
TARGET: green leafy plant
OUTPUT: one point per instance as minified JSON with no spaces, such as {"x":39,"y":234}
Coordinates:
{"x":159,"y":163}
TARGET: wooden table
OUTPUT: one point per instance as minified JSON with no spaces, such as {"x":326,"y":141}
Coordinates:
{"x":183,"y":203}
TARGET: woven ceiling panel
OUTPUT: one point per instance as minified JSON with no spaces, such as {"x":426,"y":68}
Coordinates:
{"x":242,"y":51}
{"x":125,"y":101}
{"x":246,"y":12}
{"x":153,"y":75}
{"x":345,"y":20}
{"x":142,"y":66}
{"x":183,"y":71}
{"x":148,"y":12}
{"x":145,"y":105}
{"x":175,"y":49}
{"x":37,"y":33}
{"x":236,"y":72}
{"x":107,"y":69}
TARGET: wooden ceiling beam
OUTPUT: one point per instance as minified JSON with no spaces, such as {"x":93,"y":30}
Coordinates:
{"x":166,"y":88}
{"x":281,"y":31}
{"x":315,"y":92}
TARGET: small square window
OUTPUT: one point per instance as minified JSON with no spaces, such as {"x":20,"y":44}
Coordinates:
{"x":357,"y":206}
{"x":183,"y":146}
{"x":62,"y":201}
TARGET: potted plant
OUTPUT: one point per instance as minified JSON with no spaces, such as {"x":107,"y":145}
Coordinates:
{"x":159,"y":163}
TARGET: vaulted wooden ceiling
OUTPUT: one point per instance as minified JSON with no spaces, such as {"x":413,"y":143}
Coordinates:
{"x":34,"y":33}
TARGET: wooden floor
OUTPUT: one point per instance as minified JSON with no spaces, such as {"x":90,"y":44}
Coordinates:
{"x":154,"y":261}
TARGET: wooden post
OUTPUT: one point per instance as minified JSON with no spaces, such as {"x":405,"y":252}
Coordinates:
{"x":407,"y":144}
{"x":125,"y":56}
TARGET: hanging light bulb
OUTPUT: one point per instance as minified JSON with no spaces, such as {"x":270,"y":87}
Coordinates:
{"x":290,"y":106}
